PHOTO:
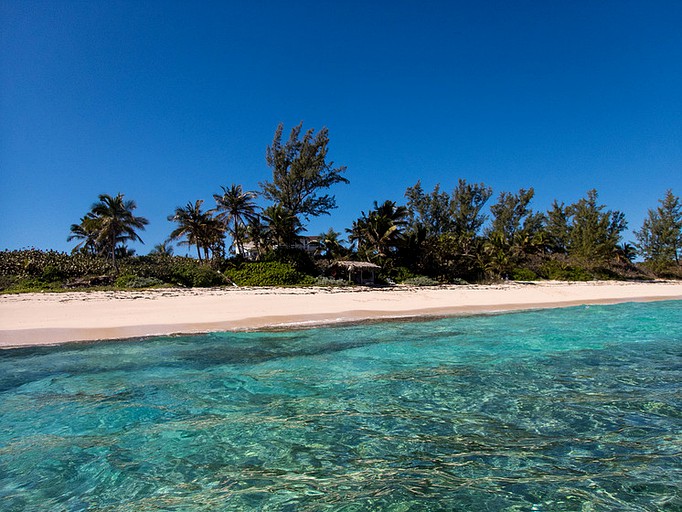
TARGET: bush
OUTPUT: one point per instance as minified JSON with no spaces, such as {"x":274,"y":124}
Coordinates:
{"x":561,"y":271}
{"x":298,"y":259}
{"x":51,"y":264}
{"x":330,"y":281}
{"x":28,"y":284}
{"x":33,"y":267}
{"x":523,"y":274}
{"x":205,"y":277}
{"x":420,"y":281}
{"x":605,"y":274}
{"x":271,"y":273}
{"x":7,"y":282}
{"x":132,"y":281}
{"x":191,"y":274}
{"x":52,"y":274}
{"x":175,"y":270}
{"x":147,"y":266}
{"x":663,"y":270}
{"x":400,"y":274}
{"x":458,"y":281}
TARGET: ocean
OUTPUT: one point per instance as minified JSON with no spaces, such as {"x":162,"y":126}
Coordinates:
{"x":563,"y":409}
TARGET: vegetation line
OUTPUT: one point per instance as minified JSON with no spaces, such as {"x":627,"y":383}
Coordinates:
{"x":436,"y":237}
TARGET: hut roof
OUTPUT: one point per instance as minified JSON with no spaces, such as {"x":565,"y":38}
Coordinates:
{"x":352,"y":265}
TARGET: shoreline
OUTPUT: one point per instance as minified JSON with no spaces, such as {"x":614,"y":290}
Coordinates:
{"x":43,"y":319}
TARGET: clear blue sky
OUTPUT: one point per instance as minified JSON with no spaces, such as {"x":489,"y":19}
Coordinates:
{"x":166,"y":101}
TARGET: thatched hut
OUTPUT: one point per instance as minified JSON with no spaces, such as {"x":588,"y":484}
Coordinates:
{"x":360,"y":272}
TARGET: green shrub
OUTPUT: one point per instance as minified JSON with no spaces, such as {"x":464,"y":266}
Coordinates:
{"x":35,"y":263}
{"x":330,"y":281}
{"x":562,"y":271}
{"x":175,"y":270}
{"x":664,"y":270}
{"x":191,"y":274}
{"x":52,"y":267}
{"x":159,"y":267}
{"x":605,"y":274}
{"x":458,"y":281}
{"x":270,"y":273}
{"x":205,"y":277}
{"x":133,"y":281}
{"x":52,"y":274}
{"x":523,"y":274}
{"x":29,"y":284}
{"x":399,"y":274}
{"x":7,"y":282}
{"x":420,"y":281}
{"x":298,"y":259}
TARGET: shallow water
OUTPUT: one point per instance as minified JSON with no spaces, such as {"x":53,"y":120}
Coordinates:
{"x":567,"y":409}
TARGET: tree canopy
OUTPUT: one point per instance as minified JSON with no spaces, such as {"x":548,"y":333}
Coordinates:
{"x":430,"y":213}
{"x":108,"y":225}
{"x":594,"y":232}
{"x":444,"y":235}
{"x":236,"y":208}
{"x":378,"y":232}
{"x":197,"y":227}
{"x":513,"y":219}
{"x":301,"y":173}
{"x":659,"y":240}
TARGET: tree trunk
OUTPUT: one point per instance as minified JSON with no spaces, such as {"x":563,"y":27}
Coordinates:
{"x":113,"y":253}
{"x":237,"y":240}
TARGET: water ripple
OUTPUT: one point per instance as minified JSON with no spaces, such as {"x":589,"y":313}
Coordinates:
{"x":574,"y":409}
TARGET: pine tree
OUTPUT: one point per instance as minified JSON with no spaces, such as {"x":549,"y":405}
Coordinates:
{"x":300,"y":172}
{"x":428,"y":213}
{"x":466,"y":205}
{"x":660,"y":238}
{"x":594,"y":233}
{"x":513,"y":219}
{"x":558,"y":228}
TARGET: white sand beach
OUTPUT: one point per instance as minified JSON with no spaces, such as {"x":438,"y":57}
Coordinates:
{"x":51,"y":318}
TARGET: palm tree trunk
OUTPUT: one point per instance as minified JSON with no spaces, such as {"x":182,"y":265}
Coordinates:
{"x":113,"y":252}
{"x":237,"y":240}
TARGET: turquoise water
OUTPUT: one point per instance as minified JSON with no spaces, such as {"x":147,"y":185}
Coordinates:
{"x":567,"y":409}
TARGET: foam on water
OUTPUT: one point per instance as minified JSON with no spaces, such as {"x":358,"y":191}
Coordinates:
{"x":566,"y":409}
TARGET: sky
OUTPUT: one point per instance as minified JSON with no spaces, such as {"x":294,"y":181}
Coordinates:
{"x":166,"y":101}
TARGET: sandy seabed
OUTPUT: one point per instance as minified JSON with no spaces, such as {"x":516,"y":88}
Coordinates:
{"x":51,"y":318}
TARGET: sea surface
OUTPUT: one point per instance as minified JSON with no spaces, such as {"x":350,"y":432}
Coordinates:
{"x":567,"y":409}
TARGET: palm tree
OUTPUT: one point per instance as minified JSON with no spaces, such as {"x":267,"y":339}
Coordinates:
{"x":196,"y":227}
{"x":284,"y":227}
{"x":379,"y":231}
{"x":259,"y":235}
{"x":498,"y":255}
{"x":112,"y":222}
{"x":123,"y":251}
{"x":236,"y":209}
{"x":624,"y":253}
{"x":330,"y":243}
{"x":163,"y":249}
{"x":86,"y":231}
